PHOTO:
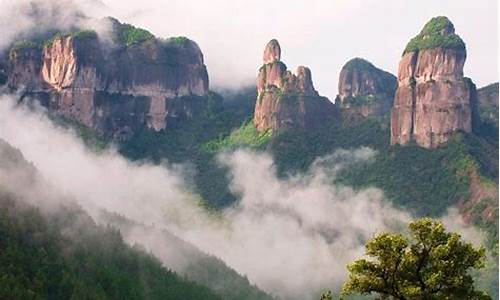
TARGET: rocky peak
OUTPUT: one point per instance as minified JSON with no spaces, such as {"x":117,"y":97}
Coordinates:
{"x":433,"y":99}
{"x":140,"y":80}
{"x":272,"y":52}
{"x":285,"y":99}
{"x":365,"y":89}
{"x":439,"y":32}
{"x":304,"y":81}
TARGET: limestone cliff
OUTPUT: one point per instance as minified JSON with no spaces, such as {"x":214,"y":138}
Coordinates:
{"x":139,"y":80}
{"x":433,"y":99}
{"x":365,"y":89}
{"x":287,"y":100}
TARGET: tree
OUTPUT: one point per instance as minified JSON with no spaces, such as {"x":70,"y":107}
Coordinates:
{"x":431,"y":264}
{"x":326,"y":296}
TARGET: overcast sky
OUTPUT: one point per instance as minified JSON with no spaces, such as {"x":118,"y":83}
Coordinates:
{"x":320,"y":34}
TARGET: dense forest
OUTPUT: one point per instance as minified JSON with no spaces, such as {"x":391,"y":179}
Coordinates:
{"x":60,"y":252}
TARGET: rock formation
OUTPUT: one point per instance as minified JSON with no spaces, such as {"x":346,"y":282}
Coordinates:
{"x":364,"y":89}
{"x":433,"y":99}
{"x":488,"y":103}
{"x":287,"y":100}
{"x":140,"y":80}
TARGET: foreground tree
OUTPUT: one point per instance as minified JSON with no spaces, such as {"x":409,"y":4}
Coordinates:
{"x":326,"y":296}
{"x":431,"y":264}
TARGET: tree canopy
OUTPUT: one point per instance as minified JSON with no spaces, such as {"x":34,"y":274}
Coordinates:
{"x":429,"y":264}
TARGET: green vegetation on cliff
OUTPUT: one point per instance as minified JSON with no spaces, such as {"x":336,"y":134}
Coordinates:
{"x":19,"y":46}
{"x":178,"y":40}
{"x":359,"y":101}
{"x":245,"y":136}
{"x":439,"y":32}
{"x":195,"y":142}
{"x":79,"y":34}
{"x":488,"y":104}
{"x":129,"y":35}
{"x":359,"y":63}
{"x":424,"y":181}
{"x":24,"y":44}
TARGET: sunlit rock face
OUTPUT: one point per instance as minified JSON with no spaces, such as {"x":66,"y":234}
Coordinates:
{"x":287,"y":100}
{"x":364,"y":89}
{"x":433,"y":99}
{"x":115,"y":88}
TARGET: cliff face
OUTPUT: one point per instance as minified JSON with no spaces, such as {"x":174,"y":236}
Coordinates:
{"x":488,"y":103}
{"x":364,"y":89}
{"x":287,"y":100}
{"x":433,"y":99}
{"x":114,"y":89}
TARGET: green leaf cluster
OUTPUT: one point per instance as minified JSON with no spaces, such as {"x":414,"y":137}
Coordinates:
{"x":245,"y":136}
{"x":129,"y":35}
{"x":434,"y":35}
{"x":80,"y":34}
{"x":178,"y":40}
{"x":430,"y":264}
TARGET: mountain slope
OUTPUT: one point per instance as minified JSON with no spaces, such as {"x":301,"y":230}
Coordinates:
{"x":56,"y":250}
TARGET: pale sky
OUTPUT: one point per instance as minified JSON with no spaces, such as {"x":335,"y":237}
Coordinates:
{"x":320,"y":34}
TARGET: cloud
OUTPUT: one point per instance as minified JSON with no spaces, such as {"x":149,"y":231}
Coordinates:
{"x":324,"y":225}
{"x":27,"y":19}
{"x":290,"y":236}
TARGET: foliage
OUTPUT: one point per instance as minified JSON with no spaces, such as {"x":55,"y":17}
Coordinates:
{"x":489,"y":113}
{"x":185,"y":144}
{"x":199,"y":267}
{"x":360,"y":100}
{"x":130,"y":35}
{"x":358,"y":63}
{"x":38,"y":261}
{"x":431,"y":264}
{"x":424,"y":181}
{"x":488,"y":104}
{"x":245,"y":136}
{"x":3,"y":78}
{"x":89,"y":136}
{"x":326,"y":296}
{"x":432,"y":36}
{"x":24,"y":44}
{"x":80,"y":34}
{"x":178,"y":40}
{"x":21,"y":45}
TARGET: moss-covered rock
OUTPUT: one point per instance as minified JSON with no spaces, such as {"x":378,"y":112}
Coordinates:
{"x":439,"y":32}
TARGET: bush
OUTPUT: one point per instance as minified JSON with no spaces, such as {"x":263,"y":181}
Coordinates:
{"x":80,"y":34}
{"x":432,"y":36}
{"x":245,"y":136}
{"x":129,"y":35}
{"x":178,"y":41}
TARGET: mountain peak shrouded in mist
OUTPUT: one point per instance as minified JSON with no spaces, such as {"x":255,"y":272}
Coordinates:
{"x":433,"y":99}
{"x":365,"y":89}
{"x":79,"y":74}
{"x":287,"y":100}
{"x":219,"y":188}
